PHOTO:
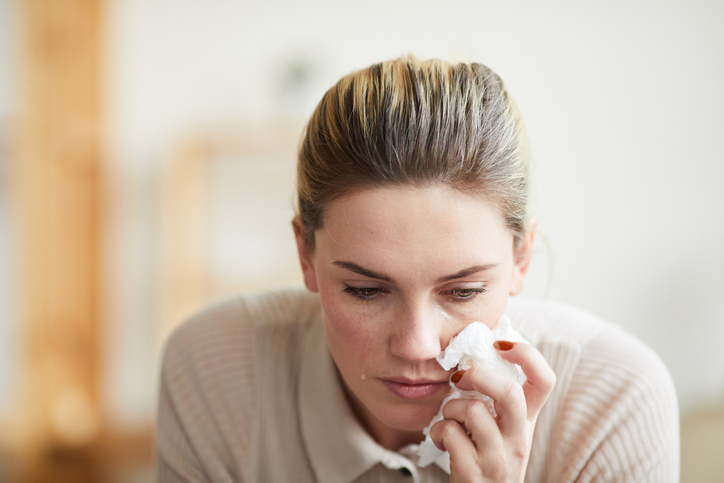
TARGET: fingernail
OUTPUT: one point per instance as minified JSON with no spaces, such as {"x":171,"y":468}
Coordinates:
{"x":503,"y":345}
{"x":455,"y":378}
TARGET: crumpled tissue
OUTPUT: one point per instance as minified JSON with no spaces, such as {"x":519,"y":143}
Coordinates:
{"x":473,"y":346}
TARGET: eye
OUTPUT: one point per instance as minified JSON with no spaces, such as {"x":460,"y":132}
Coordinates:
{"x":466,"y":293}
{"x":363,"y":293}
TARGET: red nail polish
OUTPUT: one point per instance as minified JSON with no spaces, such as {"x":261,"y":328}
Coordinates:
{"x":455,"y":378}
{"x":503,"y":345}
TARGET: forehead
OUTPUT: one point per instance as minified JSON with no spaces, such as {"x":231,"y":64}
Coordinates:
{"x":407,"y":219}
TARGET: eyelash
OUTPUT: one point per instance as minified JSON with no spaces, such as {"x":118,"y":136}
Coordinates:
{"x":358,"y":292}
{"x":475,"y":292}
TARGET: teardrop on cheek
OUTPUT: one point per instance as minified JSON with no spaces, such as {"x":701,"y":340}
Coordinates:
{"x":362,"y":376}
{"x":443,"y":314}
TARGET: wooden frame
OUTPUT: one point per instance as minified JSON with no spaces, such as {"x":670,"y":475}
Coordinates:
{"x":187,"y":281}
{"x":58,"y":183}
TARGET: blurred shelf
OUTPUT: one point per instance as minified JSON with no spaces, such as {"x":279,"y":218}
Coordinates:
{"x":121,"y":458}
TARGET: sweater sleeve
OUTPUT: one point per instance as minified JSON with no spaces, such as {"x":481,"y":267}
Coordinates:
{"x":176,"y":459}
{"x":620,"y":420}
{"x":204,"y":422}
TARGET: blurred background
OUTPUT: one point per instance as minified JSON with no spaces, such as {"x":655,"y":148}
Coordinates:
{"x":146,"y":169}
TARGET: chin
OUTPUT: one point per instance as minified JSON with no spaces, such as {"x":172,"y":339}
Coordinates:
{"x":409,"y":417}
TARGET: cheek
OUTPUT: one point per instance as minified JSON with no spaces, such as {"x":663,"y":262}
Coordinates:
{"x":352,"y":331}
{"x":487,"y":308}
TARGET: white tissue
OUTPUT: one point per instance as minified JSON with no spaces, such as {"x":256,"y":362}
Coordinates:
{"x":472,"y":346}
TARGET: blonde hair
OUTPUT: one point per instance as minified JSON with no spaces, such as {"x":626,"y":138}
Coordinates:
{"x":407,"y":121}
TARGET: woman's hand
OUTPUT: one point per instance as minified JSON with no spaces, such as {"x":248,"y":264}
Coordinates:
{"x":484,"y":448}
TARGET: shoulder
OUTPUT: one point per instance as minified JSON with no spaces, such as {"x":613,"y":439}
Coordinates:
{"x":605,"y":354}
{"x":230,"y":325}
{"x":599,"y":346}
{"x":212,"y":358}
{"x":614,"y":410}
{"x":210,"y":395}
{"x":553,"y":322}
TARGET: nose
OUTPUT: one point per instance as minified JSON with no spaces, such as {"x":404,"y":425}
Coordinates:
{"x":416,"y":336}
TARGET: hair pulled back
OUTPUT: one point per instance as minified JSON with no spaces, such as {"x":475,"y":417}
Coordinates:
{"x":412,"y":122}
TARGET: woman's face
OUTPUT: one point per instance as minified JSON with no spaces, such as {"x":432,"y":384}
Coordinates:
{"x":400,"y":271}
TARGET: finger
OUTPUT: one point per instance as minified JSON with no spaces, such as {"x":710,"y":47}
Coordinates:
{"x":475,"y":417}
{"x":449,"y":435}
{"x":540,"y":377}
{"x":510,"y":403}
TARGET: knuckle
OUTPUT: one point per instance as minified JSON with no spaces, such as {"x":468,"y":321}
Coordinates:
{"x":547,"y":381}
{"x":448,"y":429}
{"x":511,"y":392}
{"x":545,"y":377}
{"x":520,"y":450}
{"x":551,"y":380}
{"x":439,"y":429}
{"x":495,"y":469}
{"x":475,"y":410}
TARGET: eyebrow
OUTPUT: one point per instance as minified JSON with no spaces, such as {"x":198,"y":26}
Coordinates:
{"x":467,"y":271}
{"x":353,"y":267}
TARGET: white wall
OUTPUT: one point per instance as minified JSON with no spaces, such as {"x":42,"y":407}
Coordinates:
{"x":8,"y":58}
{"x":8,"y":107}
{"x":622,"y":101}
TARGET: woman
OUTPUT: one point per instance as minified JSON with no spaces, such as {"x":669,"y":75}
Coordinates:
{"x":413,"y":191}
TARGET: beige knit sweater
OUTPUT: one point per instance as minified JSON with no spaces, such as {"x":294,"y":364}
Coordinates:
{"x":249,"y":393}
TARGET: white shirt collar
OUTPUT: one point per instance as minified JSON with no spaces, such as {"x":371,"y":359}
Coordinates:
{"x":339,"y":448}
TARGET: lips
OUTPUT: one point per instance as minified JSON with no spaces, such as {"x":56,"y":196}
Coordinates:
{"x":414,"y":388}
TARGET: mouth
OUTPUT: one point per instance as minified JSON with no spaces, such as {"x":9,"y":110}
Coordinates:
{"x":414,"y":389}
